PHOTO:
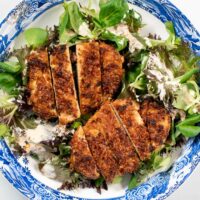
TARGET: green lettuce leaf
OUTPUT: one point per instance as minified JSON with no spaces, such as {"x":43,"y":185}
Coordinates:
{"x":121,"y":42}
{"x":189,"y":131}
{"x":10,"y":67}
{"x":112,"y":12}
{"x":36,"y":37}
{"x":8,"y":83}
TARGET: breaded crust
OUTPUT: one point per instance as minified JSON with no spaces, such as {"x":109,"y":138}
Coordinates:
{"x":118,"y":141}
{"x":96,"y":136}
{"x":158,"y":122}
{"x":112,"y":70}
{"x":40,"y":84}
{"x":64,"y":86}
{"x":81,"y":157}
{"x":127,"y":111}
{"x":89,"y":76}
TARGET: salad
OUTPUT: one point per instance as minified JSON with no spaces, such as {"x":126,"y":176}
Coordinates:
{"x":164,"y":71}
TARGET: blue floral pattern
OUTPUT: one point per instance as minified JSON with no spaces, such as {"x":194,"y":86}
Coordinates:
{"x":158,"y":187}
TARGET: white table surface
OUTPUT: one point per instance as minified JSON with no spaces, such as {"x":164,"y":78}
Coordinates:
{"x":190,"y":190}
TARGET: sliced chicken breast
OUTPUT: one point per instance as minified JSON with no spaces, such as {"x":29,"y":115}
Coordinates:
{"x":63,"y":84}
{"x":97,"y":140}
{"x":112,"y":70}
{"x":81,"y":157}
{"x":128,"y":113}
{"x":158,"y":122}
{"x":118,"y":141}
{"x":40,"y":84}
{"x":89,"y":76}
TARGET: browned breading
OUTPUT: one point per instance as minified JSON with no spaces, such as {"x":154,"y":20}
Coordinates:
{"x":89,"y":76}
{"x":158,"y":122}
{"x":112,"y":70}
{"x":128,"y":113}
{"x":64,"y":86}
{"x":96,"y":136}
{"x":143,"y":110}
{"x":81,"y":157}
{"x":40,"y":84}
{"x":118,"y":141}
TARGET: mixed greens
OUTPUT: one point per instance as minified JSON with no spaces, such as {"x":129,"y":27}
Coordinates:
{"x":166,"y":70}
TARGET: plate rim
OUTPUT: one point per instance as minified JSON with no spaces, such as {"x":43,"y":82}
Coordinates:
{"x":7,"y":151}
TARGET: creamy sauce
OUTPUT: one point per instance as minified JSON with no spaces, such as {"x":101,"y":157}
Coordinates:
{"x":41,"y":133}
{"x":123,"y":30}
{"x":28,"y":139}
{"x":156,"y":70}
{"x":84,"y":30}
{"x":49,"y":171}
{"x":186,"y":98}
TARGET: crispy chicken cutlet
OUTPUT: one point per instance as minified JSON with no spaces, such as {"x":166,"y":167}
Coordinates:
{"x":118,"y":141}
{"x":63,"y":84}
{"x":81,"y":157}
{"x":157,"y":120}
{"x":40,"y":84}
{"x":112,"y":70}
{"x":96,"y":136}
{"x":89,"y":76}
{"x":128,"y":113}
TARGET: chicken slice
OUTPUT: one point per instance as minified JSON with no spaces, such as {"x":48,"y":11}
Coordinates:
{"x":128,"y":113}
{"x":89,"y":76}
{"x":81,"y":157}
{"x":112,"y":70}
{"x":158,"y":122}
{"x":40,"y":84}
{"x":118,"y":141}
{"x":64,"y":86}
{"x":96,"y":136}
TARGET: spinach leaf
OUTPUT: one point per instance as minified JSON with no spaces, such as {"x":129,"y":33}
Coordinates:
{"x":121,"y":42}
{"x":36,"y":37}
{"x":64,"y":22}
{"x":192,"y":120}
{"x":189,"y":131}
{"x":10,"y":67}
{"x":8,"y":82}
{"x":133,"y":182}
{"x":112,"y":12}
{"x":75,"y":16}
{"x":72,"y":25}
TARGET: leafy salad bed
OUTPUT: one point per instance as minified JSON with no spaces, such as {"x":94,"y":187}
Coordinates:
{"x":165,"y":70}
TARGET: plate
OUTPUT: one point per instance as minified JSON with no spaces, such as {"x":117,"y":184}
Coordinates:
{"x":23,"y":173}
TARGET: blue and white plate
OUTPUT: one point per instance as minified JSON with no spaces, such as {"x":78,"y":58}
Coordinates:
{"x":24,"y":174}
